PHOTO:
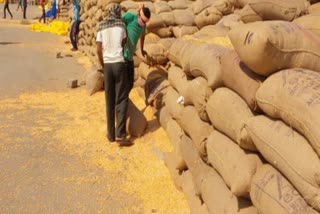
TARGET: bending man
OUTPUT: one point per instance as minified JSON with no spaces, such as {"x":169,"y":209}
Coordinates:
{"x":136,"y":28}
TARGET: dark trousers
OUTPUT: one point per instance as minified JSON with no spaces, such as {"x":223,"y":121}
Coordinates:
{"x":6,"y":7}
{"x":43,"y":14}
{"x":116,"y":95}
{"x":74,"y":34}
{"x":25,"y":11}
{"x":130,"y":70}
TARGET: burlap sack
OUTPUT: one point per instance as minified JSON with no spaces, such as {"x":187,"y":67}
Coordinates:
{"x":248,"y":15}
{"x":88,"y":41}
{"x":166,"y":43}
{"x":272,"y":193}
{"x":194,"y":201}
{"x":98,"y":15}
{"x":299,"y":88}
{"x":175,"y":133}
{"x":314,"y":9}
{"x":283,"y":147}
{"x":163,"y":32}
{"x":127,"y":5}
{"x":155,"y":88}
{"x":267,"y":47}
{"x":212,"y":31}
{"x":104,"y":4}
{"x":161,"y":7}
{"x":180,"y":52}
{"x":144,"y":69}
{"x":310,"y":22}
{"x":208,"y":16}
{"x":178,"y":4}
{"x":248,"y":210}
{"x":136,"y":121}
{"x":163,"y":116}
{"x":81,"y":32}
{"x":136,"y":75}
{"x":168,"y":18}
{"x":93,"y":10}
{"x":207,"y":181}
{"x":236,"y":11}
{"x":238,"y":77}
{"x":197,"y":129}
{"x":216,"y":194}
{"x":232,"y":163}
{"x":198,"y":92}
{"x":226,"y":7}
{"x":150,"y":38}
{"x":196,"y":166}
{"x":138,"y":80}
{"x":170,"y":100}
{"x":200,"y":5}
{"x":178,"y":79}
{"x":286,"y":10}
{"x":156,"y":54}
{"x":242,"y":3}
{"x":205,"y":62}
{"x":94,"y":81}
{"x":228,"y":113}
{"x":230,"y":21}
{"x":179,"y":32}
{"x":136,"y":61}
{"x":81,"y":43}
{"x":83,"y":17}
{"x":183,"y":17}
{"x":170,"y":161}
{"x":155,"y":21}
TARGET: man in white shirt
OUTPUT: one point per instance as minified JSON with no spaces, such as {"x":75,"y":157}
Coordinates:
{"x":111,"y":38}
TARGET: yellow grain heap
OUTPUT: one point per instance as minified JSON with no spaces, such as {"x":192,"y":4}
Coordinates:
{"x":55,"y":27}
{"x":80,"y":131}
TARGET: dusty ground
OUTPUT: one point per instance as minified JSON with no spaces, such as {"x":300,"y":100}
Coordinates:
{"x":54,"y":156}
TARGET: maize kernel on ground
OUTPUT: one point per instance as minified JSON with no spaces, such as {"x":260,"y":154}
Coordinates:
{"x":74,"y":124}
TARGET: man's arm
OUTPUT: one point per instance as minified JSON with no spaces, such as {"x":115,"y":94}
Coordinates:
{"x":142,"y":45}
{"x":99,"y":51}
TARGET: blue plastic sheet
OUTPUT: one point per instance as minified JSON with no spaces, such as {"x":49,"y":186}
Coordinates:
{"x":52,"y":13}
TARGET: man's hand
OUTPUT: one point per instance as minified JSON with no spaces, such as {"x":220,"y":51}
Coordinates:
{"x":140,"y":7}
{"x":99,"y":52}
{"x":144,"y":53}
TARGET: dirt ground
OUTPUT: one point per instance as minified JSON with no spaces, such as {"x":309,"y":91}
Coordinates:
{"x":54,"y":156}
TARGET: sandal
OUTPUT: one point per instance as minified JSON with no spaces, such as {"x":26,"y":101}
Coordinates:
{"x":124,"y":141}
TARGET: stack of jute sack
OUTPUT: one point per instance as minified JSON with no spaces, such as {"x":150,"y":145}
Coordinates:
{"x":239,"y":99}
{"x":255,"y":135}
{"x":169,"y":19}
{"x":91,"y":13}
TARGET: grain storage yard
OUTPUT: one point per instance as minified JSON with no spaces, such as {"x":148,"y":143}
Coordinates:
{"x":223,"y":115}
